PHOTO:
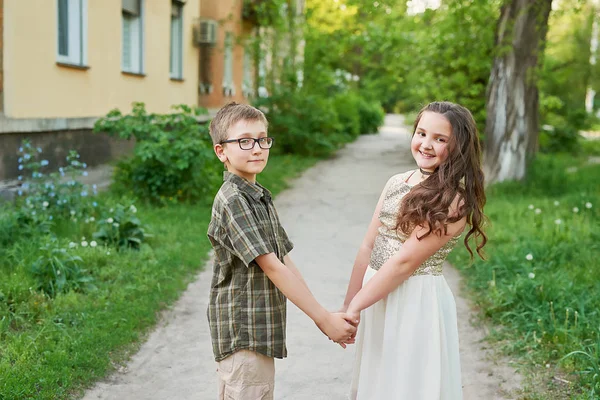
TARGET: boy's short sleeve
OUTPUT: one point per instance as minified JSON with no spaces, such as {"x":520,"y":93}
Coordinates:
{"x":241,"y":232}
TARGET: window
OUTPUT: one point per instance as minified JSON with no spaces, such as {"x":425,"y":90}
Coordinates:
{"x":248,"y":85}
{"x":176,"y":59}
{"x":72,"y":32}
{"x":228,"y":85}
{"x":133,"y":44}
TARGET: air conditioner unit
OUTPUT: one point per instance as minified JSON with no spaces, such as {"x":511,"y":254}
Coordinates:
{"x":205,"y":32}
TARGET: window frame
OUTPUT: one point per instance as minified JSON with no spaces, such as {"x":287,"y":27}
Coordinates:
{"x":137,"y":45}
{"x":176,"y":48}
{"x":228,"y":73}
{"x":76,"y":33}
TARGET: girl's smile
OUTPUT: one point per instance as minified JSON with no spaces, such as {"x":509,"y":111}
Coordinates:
{"x":430,"y":140}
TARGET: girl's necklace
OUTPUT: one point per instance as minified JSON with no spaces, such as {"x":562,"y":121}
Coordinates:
{"x":426,"y":173}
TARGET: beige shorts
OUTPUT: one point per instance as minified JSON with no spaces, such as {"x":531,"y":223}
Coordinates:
{"x":246,"y":375}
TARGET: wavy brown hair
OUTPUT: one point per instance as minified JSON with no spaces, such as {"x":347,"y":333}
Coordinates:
{"x":429,"y":202}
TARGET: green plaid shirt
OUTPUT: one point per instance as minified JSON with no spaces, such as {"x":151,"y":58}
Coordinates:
{"x":246,"y":310}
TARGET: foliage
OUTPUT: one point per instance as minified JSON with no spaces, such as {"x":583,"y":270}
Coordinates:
{"x":45,"y":196}
{"x":173,"y":157}
{"x":56,"y":347}
{"x":314,"y":125}
{"x":370,"y":115}
{"x":121,"y":228}
{"x":57,"y":271}
{"x":539,"y":287}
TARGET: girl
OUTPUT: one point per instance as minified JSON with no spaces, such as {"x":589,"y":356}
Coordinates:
{"x":407,"y":343}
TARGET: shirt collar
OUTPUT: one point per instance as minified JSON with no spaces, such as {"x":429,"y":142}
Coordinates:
{"x":256,"y":191}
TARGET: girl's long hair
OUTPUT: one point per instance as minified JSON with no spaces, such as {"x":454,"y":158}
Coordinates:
{"x":428,"y":203}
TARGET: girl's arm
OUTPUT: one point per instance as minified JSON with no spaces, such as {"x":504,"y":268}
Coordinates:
{"x":364,"y":252}
{"x":401,"y":265}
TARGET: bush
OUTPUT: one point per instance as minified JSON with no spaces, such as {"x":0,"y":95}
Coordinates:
{"x":371,"y":115}
{"x":306,"y":123}
{"x":121,"y":228}
{"x":316,"y":125}
{"x":173,"y":157}
{"x":347,"y":108}
{"x":57,"y":271}
{"x":44,"y":197}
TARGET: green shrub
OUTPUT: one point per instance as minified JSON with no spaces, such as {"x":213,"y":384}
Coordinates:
{"x":303,"y":123}
{"x":44,"y":197}
{"x":121,"y":228}
{"x":57,"y":271}
{"x":371,"y":115}
{"x":173,"y":157}
{"x":347,"y":108}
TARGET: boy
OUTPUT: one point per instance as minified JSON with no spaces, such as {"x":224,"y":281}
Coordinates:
{"x":253,"y":273}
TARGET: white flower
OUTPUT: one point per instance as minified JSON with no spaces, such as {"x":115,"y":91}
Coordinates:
{"x":84,"y":244}
{"x":529,"y":257}
{"x":92,"y":219}
{"x":538,"y":211}
{"x":108,"y":253}
{"x":93,"y":243}
{"x":72,"y":212}
{"x":557,"y":221}
{"x":58,"y":272}
{"x":72,"y":245}
{"x":83,"y":238}
{"x":575,"y":209}
{"x":588,"y":205}
{"x":111,"y":210}
{"x":531,"y":207}
{"x":110,"y":220}
{"x":45,"y":204}
{"x":116,"y":225}
{"x":547,"y":365}
{"x":134,"y":210}
{"x":556,"y":203}
{"x":531,"y":275}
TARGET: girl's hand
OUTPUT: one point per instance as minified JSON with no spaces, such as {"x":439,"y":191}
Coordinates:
{"x":353,"y":317}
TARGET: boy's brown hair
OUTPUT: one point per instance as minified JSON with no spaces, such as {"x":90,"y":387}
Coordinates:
{"x":231,"y":114}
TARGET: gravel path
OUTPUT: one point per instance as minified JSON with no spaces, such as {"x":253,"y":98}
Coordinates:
{"x":326,"y":214}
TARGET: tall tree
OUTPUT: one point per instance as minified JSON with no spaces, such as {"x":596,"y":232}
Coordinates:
{"x":512,"y":122}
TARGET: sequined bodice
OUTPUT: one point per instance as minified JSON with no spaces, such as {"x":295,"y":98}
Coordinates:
{"x":389,"y":241}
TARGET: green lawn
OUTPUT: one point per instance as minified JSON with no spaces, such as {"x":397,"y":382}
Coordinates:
{"x":54,"y":348}
{"x":540,"y":286}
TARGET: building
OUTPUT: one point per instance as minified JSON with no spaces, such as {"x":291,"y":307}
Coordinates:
{"x":64,"y":63}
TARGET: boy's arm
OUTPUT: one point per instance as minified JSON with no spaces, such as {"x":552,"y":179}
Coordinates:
{"x":333,"y":325}
{"x":287,"y":260}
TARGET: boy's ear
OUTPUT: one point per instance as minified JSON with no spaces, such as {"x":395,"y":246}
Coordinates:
{"x":220,"y":153}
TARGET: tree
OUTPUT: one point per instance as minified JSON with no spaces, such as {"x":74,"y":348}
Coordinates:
{"x":512,"y":121}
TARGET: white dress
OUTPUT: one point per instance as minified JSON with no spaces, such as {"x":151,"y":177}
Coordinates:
{"x":407,"y":343}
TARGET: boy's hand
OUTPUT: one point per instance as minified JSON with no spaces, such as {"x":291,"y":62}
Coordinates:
{"x":337,"y":328}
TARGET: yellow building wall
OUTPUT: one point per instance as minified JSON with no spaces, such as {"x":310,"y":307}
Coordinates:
{"x":36,"y":87}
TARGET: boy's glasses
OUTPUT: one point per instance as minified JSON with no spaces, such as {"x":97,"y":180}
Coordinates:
{"x":248,"y":143}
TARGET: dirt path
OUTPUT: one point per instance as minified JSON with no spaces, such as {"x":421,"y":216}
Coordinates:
{"x":326,"y":214}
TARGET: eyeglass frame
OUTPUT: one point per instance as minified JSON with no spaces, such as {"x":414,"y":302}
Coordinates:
{"x":239,"y":142}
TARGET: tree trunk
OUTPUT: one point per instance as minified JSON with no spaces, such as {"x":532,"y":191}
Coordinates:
{"x":591,"y":93}
{"x":512,"y":96}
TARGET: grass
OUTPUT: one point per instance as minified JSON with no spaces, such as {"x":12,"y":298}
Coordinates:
{"x":54,"y":348}
{"x":539,"y":287}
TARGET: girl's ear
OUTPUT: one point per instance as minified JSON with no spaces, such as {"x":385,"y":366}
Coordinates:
{"x":219,"y":151}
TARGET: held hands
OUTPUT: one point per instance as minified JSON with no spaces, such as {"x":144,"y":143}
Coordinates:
{"x":338,"y":327}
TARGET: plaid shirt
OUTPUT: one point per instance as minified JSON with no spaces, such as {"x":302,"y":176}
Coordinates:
{"x":246,"y":310}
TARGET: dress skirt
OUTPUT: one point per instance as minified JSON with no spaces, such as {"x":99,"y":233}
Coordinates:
{"x":407,"y":344}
